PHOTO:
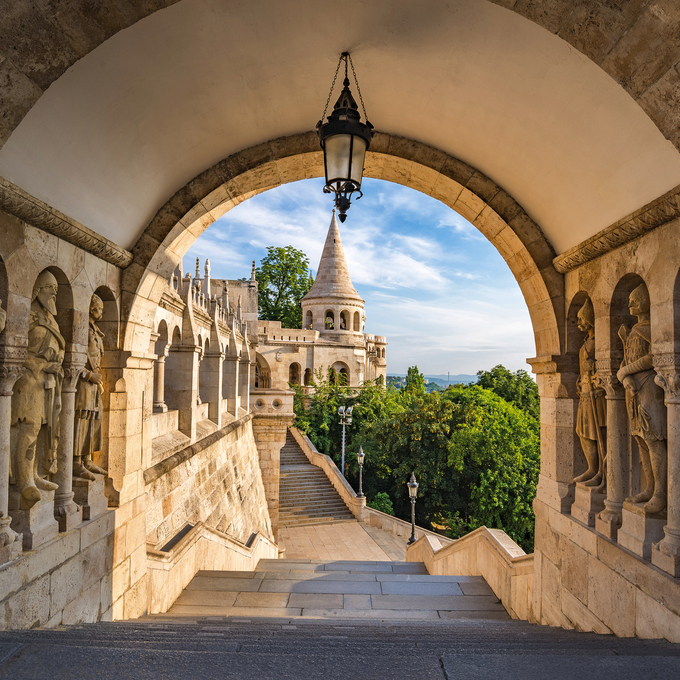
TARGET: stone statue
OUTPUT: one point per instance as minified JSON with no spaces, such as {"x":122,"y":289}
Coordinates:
{"x":36,"y":402}
{"x":645,"y":403}
{"x":87,"y":436}
{"x":591,"y":417}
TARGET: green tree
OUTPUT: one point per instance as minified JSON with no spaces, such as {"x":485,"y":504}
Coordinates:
{"x":415,"y":381}
{"x":283,"y":280}
{"x":518,"y":388}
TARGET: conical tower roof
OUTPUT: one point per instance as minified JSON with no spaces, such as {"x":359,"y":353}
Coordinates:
{"x":332,"y":277}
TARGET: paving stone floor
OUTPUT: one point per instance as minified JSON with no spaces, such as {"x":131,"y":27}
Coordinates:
{"x":378,"y":590}
{"x":341,"y":541}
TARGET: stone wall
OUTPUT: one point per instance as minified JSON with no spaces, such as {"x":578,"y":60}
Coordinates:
{"x":216,"y":481}
{"x":605,"y":561}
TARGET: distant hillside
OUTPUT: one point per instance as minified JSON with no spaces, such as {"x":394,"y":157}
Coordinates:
{"x":442,"y":379}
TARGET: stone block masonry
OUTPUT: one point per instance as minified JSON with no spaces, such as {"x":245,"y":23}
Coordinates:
{"x":216,"y":481}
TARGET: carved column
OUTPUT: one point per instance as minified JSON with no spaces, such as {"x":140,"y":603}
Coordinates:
{"x":609,"y":520}
{"x":66,"y":512}
{"x":159,"y":405}
{"x":556,"y":377}
{"x":244,"y":381}
{"x":9,"y":374}
{"x":666,"y":553}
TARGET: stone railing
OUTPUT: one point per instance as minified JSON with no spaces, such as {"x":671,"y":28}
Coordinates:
{"x":357,"y":505}
{"x":490,"y":553}
{"x":202,"y":548}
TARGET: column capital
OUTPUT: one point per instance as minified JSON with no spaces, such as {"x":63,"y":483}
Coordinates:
{"x":9,"y":374}
{"x":72,"y":373}
{"x":554,"y":363}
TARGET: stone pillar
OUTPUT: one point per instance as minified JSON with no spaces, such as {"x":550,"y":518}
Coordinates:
{"x":231,"y":383}
{"x":609,"y":520}
{"x":244,"y":382}
{"x":212,"y":377}
{"x":159,"y":405}
{"x":273,"y":415}
{"x":10,"y":541}
{"x":184,"y":386}
{"x":66,"y":512}
{"x":556,"y":377}
{"x":666,"y":553}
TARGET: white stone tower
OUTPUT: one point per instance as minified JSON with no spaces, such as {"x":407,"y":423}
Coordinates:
{"x":333,"y":306}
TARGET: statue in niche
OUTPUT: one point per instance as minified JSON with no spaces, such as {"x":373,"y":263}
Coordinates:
{"x":36,"y":402}
{"x":645,"y":403}
{"x":591,"y":417}
{"x":87,"y":435}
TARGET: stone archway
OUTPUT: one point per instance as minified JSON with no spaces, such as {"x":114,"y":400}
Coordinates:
{"x":214,"y":192}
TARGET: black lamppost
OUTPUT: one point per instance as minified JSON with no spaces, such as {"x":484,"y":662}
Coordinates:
{"x":344,"y":140}
{"x":413,"y":494}
{"x":345,"y":419}
{"x":360,"y":458}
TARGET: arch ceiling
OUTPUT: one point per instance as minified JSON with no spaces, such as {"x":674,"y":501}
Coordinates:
{"x":120,"y":111}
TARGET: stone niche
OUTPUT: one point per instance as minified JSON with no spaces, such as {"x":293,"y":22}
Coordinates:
{"x":607,"y":550}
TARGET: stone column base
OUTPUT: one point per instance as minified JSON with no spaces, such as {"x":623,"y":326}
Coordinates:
{"x":608,"y":522}
{"x":91,"y":496}
{"x":10,"y":541}
{"x":666,"y":554}
{"x":67,"y":513}
{"x":639,"y":531}
{"x":37,"y":524}
{"x":588,"y":503}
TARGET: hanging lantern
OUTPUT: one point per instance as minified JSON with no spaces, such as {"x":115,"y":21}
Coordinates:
{"x":344,"y":140}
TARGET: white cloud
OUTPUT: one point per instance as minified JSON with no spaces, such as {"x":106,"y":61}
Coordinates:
{"x":432,"y":283}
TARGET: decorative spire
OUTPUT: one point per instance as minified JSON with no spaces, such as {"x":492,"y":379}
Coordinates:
{"x":206,"y":280}
{"x":252,"y":272}
{"x":332,"y":276}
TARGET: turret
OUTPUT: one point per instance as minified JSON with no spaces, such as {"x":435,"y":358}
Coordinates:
{"x":333,"y":306}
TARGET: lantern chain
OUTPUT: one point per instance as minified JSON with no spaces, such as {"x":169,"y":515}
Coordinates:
{"x":361,"y":99}
{"x":330,"y":94}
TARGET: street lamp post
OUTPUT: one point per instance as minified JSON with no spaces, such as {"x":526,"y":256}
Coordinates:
{"x":360,"y":458}
{"x":413,"y":494}
{"x":345,"y":419}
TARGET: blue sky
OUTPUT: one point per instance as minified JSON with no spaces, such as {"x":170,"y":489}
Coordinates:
{"x":437,"y":289}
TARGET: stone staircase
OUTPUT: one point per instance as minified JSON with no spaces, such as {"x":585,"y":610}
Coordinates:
{"x":306,"y":496}
{"x":361,"y":590}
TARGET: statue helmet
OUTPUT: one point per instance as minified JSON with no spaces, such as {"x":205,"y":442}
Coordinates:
{"x":587,"y":313}
{"x":642,"y":295}
{"x":45,"y":278}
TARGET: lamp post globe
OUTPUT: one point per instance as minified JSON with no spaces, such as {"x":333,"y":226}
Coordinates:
{"x":344,"y":140}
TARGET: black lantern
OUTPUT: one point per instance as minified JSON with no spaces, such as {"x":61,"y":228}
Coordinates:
{"x":360,"y":459}
{"x":344,"y":140}
{"x":413,"y":494}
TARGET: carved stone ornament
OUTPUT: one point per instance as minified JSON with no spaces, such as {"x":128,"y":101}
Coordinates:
{"x":653,"y":215}
{"x":89,"y":406}
{"x":38,"y":214}
{"x":9,"y":374}
{"x":36,"y":402}
{"x":645,"y":404}
{"x":669,"y":382}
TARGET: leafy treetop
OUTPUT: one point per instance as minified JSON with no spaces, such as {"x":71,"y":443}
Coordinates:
{"x":283,"y":280}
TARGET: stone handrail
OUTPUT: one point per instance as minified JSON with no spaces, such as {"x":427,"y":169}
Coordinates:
{"x":358,"y":505}
{"x":202,"y":548}
{"x":490,"y":553}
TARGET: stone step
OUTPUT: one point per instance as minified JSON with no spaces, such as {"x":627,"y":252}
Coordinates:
{"x":340,"y":590}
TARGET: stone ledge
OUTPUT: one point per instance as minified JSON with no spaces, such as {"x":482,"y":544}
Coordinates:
{"x":31,"y":210}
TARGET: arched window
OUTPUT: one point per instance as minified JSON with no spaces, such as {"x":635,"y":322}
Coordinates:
{"x":309,"y":319}
{"x":329,"y":320}
{"x":308,"y":376}
{"x":344,"y":320}
{"x":357,"y":321}
{"x":294,"y":374}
